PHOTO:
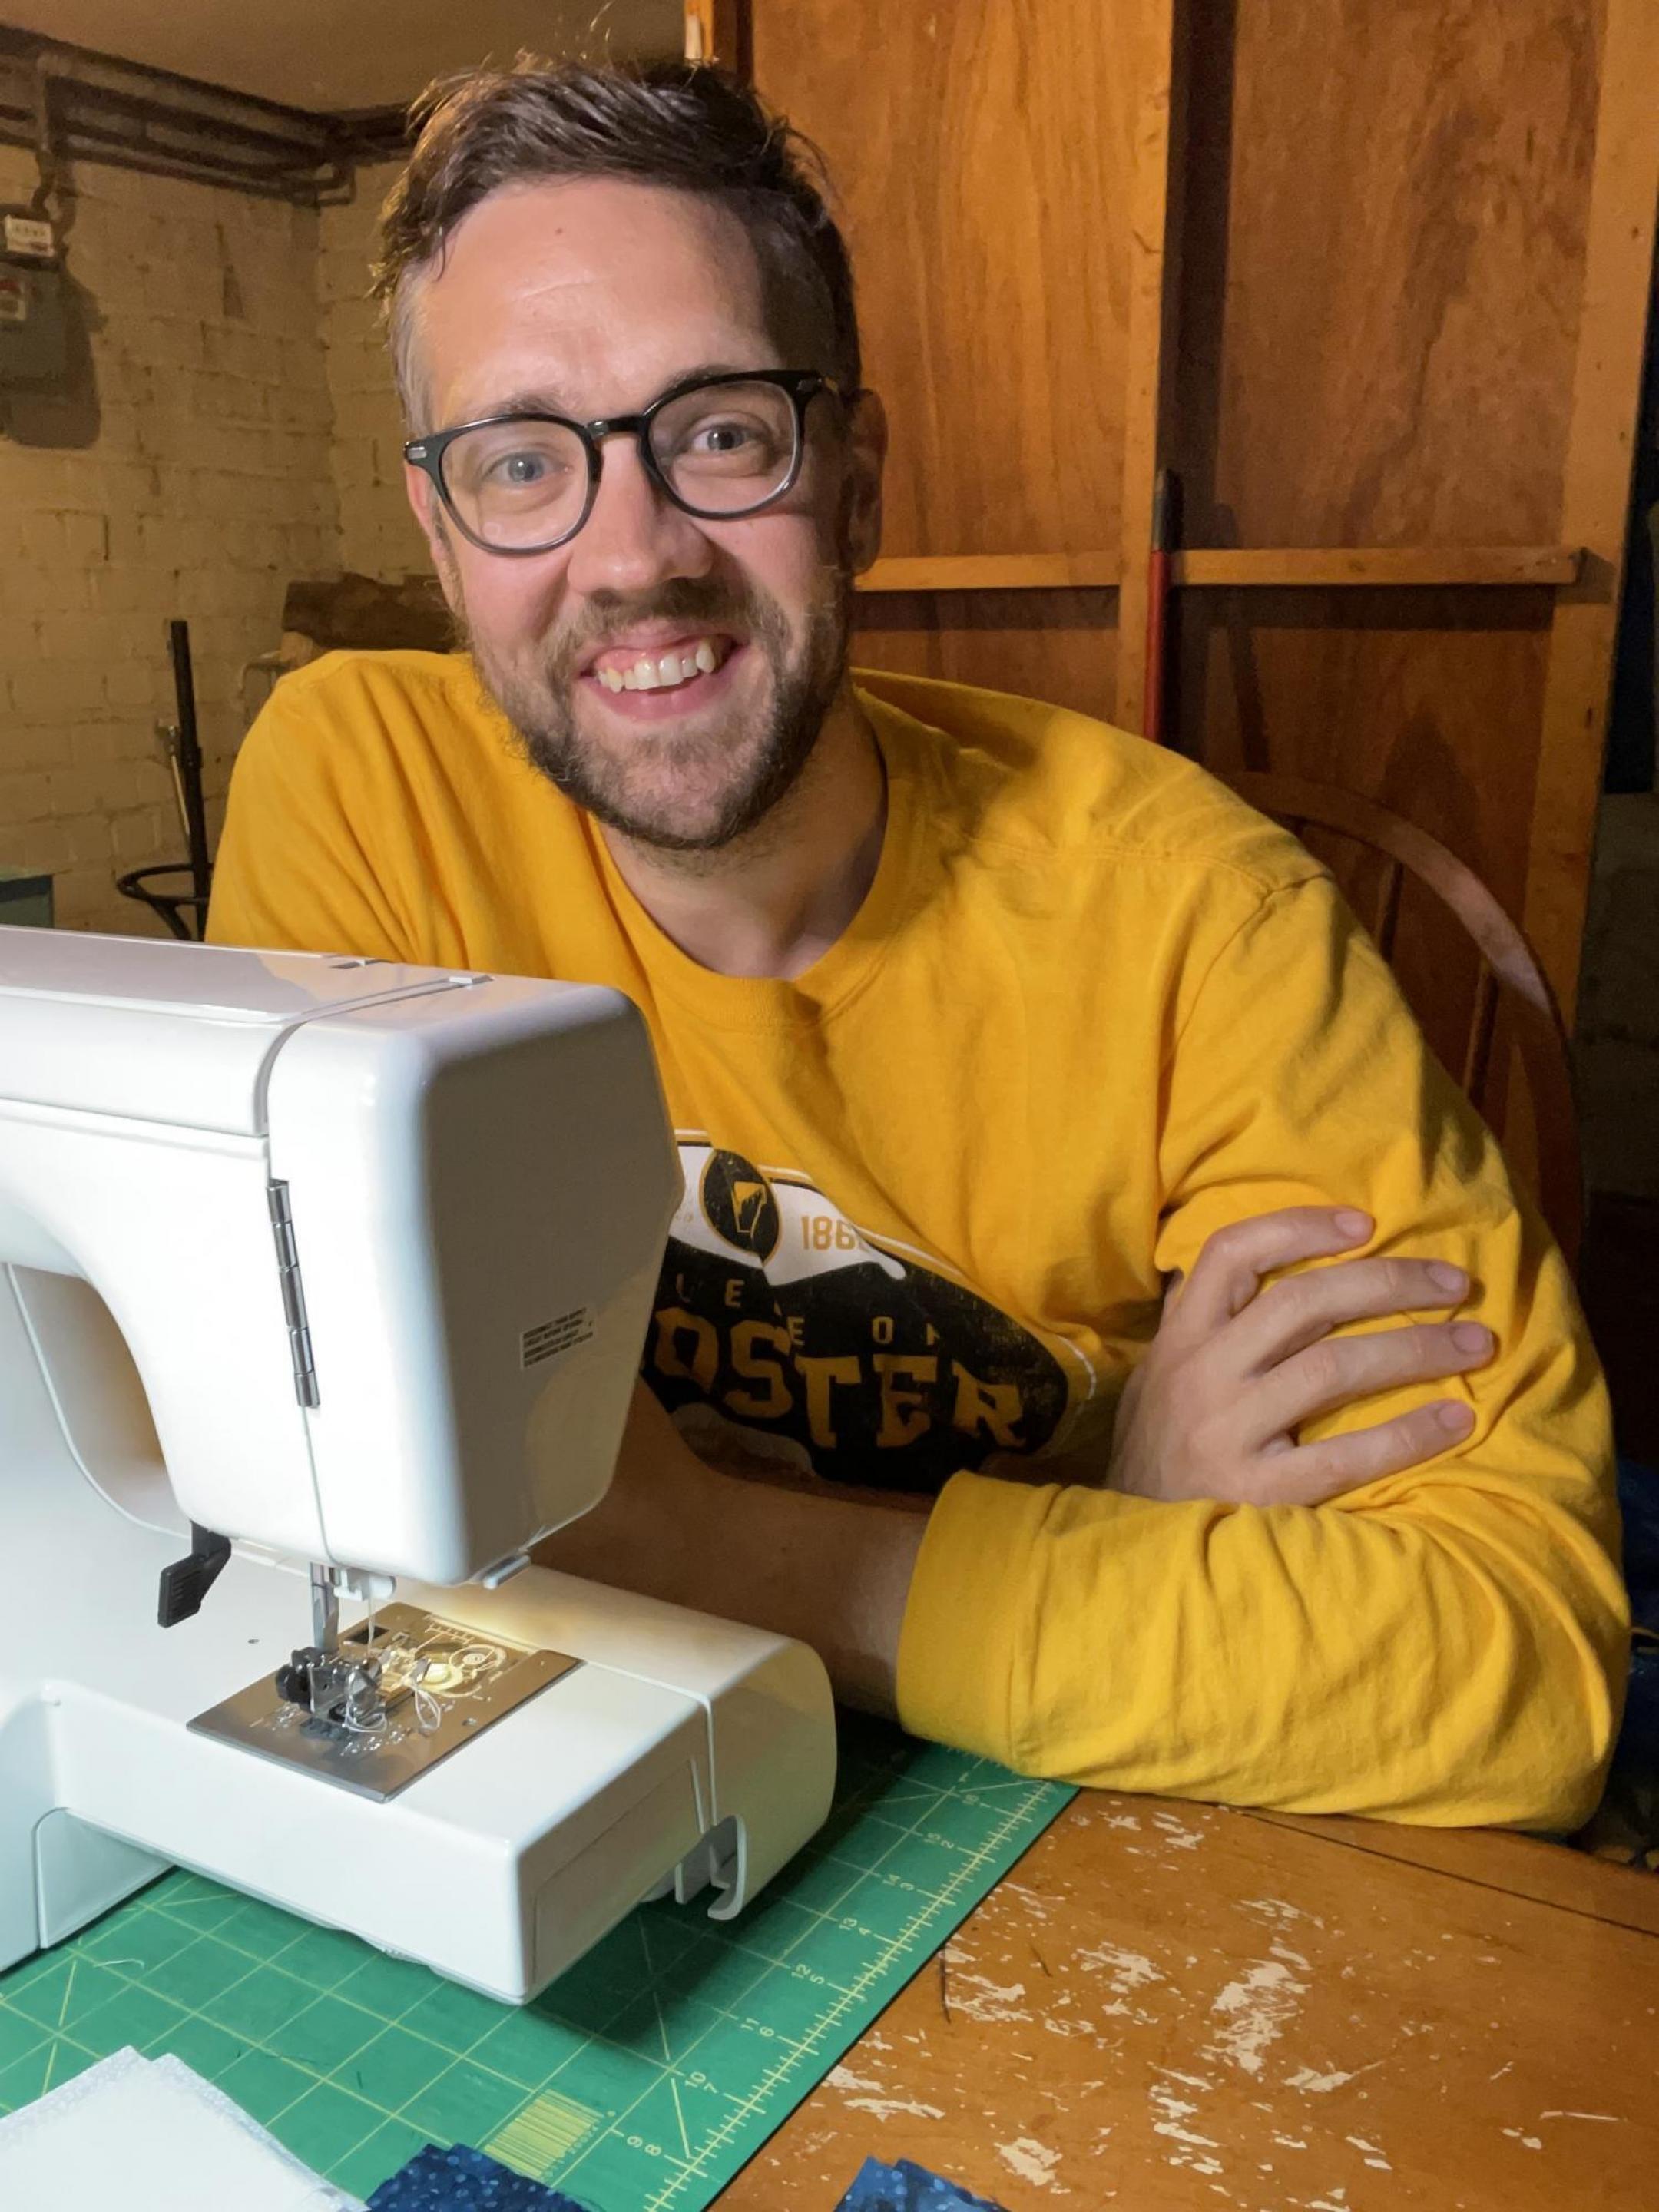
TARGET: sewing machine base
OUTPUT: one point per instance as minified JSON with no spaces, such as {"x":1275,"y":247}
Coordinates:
{"x":471,"y":1681}
{"x":683,"y":1753}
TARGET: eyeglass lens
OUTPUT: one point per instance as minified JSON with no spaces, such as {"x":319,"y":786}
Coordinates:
{"x":722,"y":448}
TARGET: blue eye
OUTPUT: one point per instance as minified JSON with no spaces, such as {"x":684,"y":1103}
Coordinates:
{"x":726,"y":445}
{"x":519,"y":468}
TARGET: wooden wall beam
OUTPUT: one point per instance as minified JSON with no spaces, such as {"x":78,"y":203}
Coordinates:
{"x":1412,"y":566}
{"x":1154,"y":228}
{"x":1270,"y":567}
{"x":992,"y":572}
{"x":718,"y":31}
{"x":1595,"y":495}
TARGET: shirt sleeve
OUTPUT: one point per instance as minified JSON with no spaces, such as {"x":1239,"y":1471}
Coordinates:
{"x":1446,"y":1646}
{"x":295,"y":872}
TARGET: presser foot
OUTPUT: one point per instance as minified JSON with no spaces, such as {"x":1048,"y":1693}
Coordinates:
{"x":394,"y":1695}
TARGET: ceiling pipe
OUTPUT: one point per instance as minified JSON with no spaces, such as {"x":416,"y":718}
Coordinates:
{"x":104,"y":109}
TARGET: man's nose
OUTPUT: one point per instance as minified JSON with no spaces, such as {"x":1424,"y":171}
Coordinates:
{"x":635,"y":537}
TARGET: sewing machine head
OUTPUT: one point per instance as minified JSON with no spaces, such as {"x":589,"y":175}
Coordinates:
{"x":380,"y":1242}
{"x":351,"y":1264}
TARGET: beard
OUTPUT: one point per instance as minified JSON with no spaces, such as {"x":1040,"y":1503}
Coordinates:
{"x":692,"y":791}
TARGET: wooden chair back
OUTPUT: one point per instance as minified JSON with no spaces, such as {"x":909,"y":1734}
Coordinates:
{"x":1508,"y":974}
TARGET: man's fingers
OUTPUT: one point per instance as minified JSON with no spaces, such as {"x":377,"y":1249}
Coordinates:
{"x":1313,"y":1473}
{"x":1342,"y":1369}
{"x":1302,"y":1308}
{"x":1228,"y":1273}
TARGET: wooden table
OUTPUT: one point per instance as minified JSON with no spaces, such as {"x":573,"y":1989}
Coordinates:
{"x":1170,"y":2005}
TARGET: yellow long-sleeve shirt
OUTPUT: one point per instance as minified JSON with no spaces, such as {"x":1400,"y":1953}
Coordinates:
{"x":1092,"y":1009}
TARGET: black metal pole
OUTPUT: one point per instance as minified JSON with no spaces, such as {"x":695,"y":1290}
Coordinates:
{"x":189,"y":770}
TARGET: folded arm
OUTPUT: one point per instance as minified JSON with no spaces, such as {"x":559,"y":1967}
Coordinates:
{"x":1440,"y":1638}
{"x":1445,"y":1643}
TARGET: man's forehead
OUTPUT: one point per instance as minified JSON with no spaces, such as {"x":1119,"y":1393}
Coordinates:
{"x":590,"y":294}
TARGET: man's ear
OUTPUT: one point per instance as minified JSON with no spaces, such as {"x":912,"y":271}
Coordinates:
{"x":866,"y":459}
{"x":429,"y":513}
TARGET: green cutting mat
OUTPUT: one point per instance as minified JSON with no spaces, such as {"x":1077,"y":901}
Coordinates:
{"x":640,"y":2082}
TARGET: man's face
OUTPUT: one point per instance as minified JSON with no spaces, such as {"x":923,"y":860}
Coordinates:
{"x":587,"y":300}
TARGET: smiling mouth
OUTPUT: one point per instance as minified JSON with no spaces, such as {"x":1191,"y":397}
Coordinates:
{"x":682,"y":663}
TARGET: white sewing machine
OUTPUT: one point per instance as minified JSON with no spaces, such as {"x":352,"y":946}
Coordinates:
{"x":349,"y":1264}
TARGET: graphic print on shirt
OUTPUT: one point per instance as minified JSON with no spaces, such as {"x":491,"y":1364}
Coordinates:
{"x":780,"y":1326}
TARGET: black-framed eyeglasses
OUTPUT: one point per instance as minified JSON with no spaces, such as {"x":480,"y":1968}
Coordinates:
{"x":717,"y":446}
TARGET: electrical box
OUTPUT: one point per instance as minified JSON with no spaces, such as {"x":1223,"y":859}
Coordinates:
{"x":25,"y":897}
{"x":33,"y":302}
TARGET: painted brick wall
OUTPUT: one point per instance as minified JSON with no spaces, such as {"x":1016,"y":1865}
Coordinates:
{"x":198,"y":485}
{"x":378,"y":535}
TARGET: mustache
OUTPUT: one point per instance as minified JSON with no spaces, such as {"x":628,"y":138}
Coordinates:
{"x":700,"y":601}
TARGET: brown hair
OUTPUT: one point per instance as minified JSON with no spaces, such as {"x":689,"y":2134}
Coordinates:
{"x":687,"y":127}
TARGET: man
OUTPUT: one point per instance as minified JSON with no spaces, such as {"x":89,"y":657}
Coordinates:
{"x":979,"y":1024}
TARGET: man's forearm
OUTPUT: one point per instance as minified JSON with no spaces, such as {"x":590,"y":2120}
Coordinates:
{"x":1451,"y":1654}
{"x":831,"y":1571}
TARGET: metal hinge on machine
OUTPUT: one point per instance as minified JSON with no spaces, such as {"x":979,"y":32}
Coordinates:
{"x":293,"y":1296}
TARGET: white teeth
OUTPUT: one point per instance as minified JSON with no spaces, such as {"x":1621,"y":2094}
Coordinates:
{"x":658,"y":675}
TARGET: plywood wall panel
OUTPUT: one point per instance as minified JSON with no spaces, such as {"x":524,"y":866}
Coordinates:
{"x":984,"y":155}
{"x":1383,"y":263}
{"x":1425,"y":700}
{"x":1057,"y":645}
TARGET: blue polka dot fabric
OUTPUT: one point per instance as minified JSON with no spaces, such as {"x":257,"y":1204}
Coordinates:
{"x":460,"y":2179}
{"x":908,"y":2188}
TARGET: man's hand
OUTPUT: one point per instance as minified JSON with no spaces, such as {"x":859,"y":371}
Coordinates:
{"x":1214,"y":1408}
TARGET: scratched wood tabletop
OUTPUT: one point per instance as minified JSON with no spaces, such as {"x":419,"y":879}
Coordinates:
{"x":1167,"y":2005}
